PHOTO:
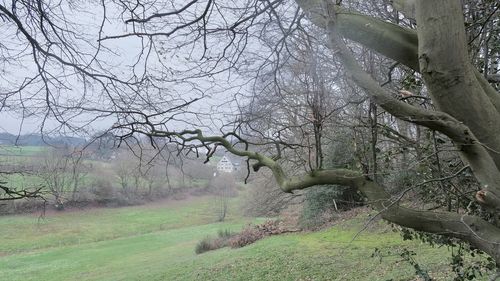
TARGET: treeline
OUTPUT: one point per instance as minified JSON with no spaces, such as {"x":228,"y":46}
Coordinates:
{"x":105,"y":176}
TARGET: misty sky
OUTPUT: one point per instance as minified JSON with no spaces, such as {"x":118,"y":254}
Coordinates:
{"x":118,"y":55}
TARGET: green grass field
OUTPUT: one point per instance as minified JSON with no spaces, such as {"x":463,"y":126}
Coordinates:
{"x":10,"y":150}
{"x":156,"y":242}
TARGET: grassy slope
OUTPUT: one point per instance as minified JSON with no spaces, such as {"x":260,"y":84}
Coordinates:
{"x":157,"y":243}
{"x":22,"y":233}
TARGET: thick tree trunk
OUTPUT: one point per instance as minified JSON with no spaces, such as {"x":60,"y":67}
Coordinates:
{"x":469,"y":106}
{"x":449,"y":76}
{"x":468,"y":112}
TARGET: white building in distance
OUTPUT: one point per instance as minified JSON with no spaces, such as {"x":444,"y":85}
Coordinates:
{"x":225,"y":165}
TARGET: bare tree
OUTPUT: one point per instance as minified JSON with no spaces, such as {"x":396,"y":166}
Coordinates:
{"x":54,"y":168}
{"x":154,"y":177}
{"x":265,"y":199}
{"x":223,"y":184}
{"x":126,"y":167}
{"x":78,"y":170}
{"x":223,"y":47}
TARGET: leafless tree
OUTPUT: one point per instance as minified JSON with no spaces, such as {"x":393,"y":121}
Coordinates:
{"x":126,"y":168}
{"x":78,"y":170}
{"x":54,"y":168}
{"x":224,"y":47}
{"x":223,"y":184}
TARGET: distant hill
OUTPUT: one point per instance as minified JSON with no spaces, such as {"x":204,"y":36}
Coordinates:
{"x":38,"y":140}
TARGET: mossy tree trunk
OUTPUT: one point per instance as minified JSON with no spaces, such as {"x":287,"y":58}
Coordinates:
{"x":467,"y":107}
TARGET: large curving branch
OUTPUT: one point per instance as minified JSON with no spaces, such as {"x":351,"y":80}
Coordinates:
{"x":478,"y":232}
{"x":13,"y":194}
{"x":390,"y":40}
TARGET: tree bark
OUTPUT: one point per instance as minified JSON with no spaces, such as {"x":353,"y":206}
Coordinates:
{"x":468,"y":112}
{"x":468,"y":106}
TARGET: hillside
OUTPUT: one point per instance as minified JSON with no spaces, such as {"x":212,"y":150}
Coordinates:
{"x":156,"y":242}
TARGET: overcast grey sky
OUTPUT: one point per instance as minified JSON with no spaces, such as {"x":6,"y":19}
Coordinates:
{"x":119,"y":54}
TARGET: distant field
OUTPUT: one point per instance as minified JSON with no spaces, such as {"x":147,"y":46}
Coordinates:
{"x":156,"y":242}
{"x":19,"y":155}
{"x":10,"y":150}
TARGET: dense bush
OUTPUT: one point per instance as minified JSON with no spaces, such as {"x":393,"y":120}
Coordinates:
{"x":246,"y":236}
{"x":213,"y":243}
{"x":322,"y":202}
{"x":208,"y":244}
